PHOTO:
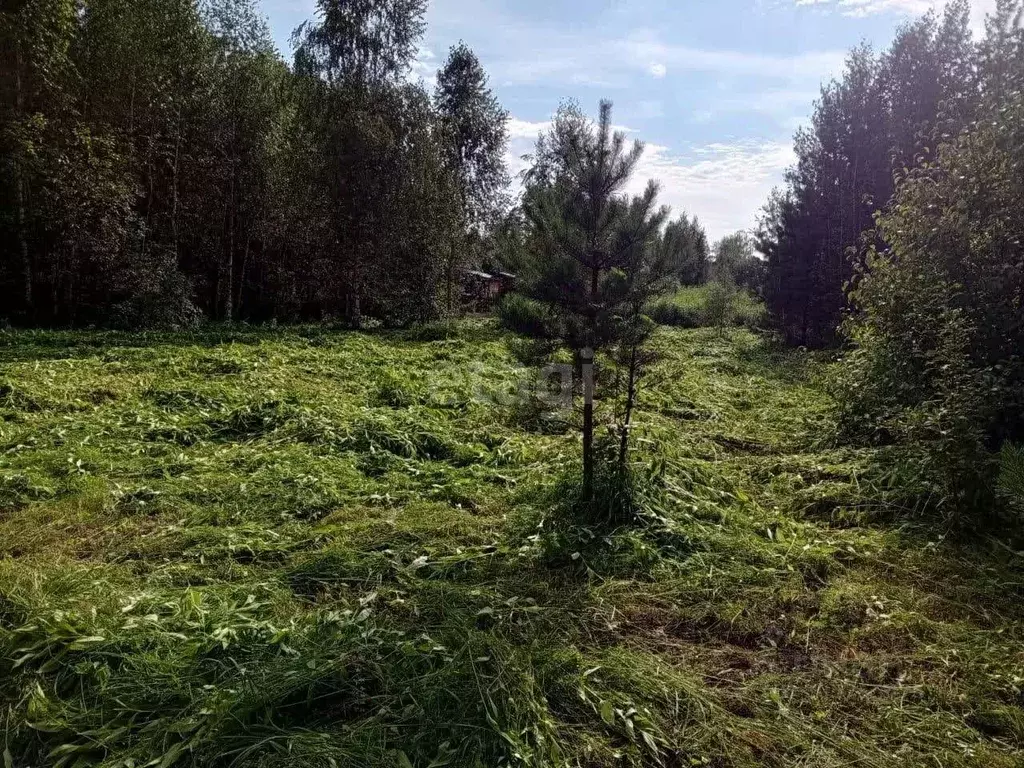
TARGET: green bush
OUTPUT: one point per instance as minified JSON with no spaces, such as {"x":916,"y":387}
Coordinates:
{"x":1011,"y":476}
{"x":159,"y":297}
{"x":937,"y":361}
{"x":720,"y":305}
{"x":525,"y":316}
{"x":665,"y":312}
{"x":707,"y":306}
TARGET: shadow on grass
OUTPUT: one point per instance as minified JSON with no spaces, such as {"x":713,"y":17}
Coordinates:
{"x":30,"y":345}
{"x":771,"y":358}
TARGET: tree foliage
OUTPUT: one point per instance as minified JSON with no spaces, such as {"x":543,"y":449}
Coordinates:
{"x":474,"y":138}
{"x":736,"y":263}
{"x":162,"y":163}
{"x":884,"y":115}
{"x":686,"y":250}
{"x":475,"y":135}
{"x":363,"y":42}
{"x":939,"y":297}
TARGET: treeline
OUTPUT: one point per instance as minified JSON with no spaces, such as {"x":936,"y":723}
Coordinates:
{"x":163,"y":164}
{"x":889,"y":112}
{"x":900,"y":233}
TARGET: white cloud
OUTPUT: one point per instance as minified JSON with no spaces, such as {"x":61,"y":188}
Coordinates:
{"x":525,"y":129}
{"x":648,"y":109}
{"x":860,"y":8}
{"x":787,"y":107}
{"x":723,"y":184}
{"x":425,"y":67}
{"x":522,"y":136}
{"x":644,"y":46}
{"x":863,"y":8}
{"x":614,"y":63}
{"x":531,"y":53}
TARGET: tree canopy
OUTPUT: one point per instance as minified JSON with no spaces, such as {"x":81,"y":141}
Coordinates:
{"x":163,"y":164}
{"x":886,"y":113}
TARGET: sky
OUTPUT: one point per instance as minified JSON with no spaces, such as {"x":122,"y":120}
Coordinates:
{"x":715,"y":88}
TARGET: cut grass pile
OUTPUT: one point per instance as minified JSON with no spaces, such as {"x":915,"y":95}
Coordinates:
{"x":300,"y":547}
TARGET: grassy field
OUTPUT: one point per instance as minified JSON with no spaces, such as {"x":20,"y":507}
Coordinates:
{"x":302,"y":547}
{"x":687,"y":308}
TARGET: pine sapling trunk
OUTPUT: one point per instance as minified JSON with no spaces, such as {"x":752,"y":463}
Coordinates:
{"x":587,"y":370}
{"x":630,"y":401}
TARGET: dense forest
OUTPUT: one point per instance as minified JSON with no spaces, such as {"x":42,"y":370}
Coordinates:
{"x":899,"y":234}
{"x":163,"y":164}
{"x":888,"y":115}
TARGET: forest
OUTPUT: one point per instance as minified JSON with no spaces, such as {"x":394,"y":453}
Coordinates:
{"x":328,"y":440}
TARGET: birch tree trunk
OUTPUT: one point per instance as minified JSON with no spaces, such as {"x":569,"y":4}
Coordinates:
{"x":20,"y":218}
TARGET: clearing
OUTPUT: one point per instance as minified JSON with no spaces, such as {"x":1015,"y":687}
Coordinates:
{"x":302,"y":547}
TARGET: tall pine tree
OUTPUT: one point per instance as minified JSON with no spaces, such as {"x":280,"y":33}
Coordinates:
{"x":475,"y":137}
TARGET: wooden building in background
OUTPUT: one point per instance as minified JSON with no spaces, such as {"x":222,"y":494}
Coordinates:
{"x":482,"y":290}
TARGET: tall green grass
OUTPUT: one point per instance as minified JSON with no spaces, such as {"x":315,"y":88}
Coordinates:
{"x":688,"y":307}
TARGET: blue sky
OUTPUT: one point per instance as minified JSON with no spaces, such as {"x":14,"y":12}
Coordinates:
{"x":715,"y":88}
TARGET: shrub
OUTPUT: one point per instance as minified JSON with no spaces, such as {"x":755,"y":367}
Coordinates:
{"x":719,"y":305}
{"x":937,"y":361}
{"x":161,"y":300}
{"x":702,"y":306}
{"x":665,"y":312}
{"x":1011,"y":476}
{"x":525,"y":316}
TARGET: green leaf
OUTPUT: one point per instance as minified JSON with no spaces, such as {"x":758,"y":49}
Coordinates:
{"x":172,"y":755}
{"x":649,"y":741}
{"x":85,"y":642}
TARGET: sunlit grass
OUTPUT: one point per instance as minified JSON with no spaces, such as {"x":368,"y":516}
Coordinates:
{"x":687,"y":307}
{"x":319,"y":548}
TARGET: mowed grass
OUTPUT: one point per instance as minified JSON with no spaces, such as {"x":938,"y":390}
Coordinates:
{"x":302,"y":547}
